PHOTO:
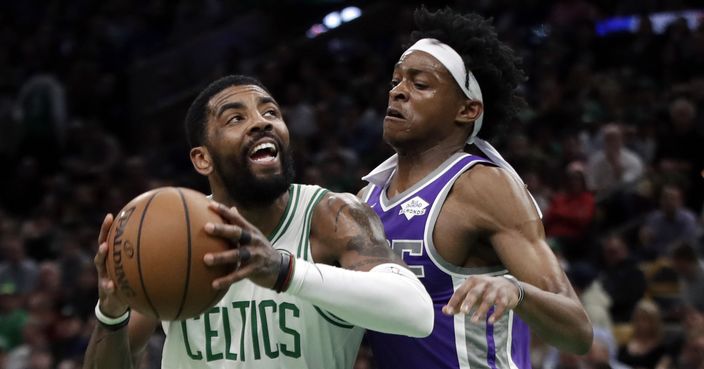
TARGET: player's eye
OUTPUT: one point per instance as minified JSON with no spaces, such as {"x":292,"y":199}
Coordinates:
{"x":393,"y":83}
{"x":271,"y":113}
{"x":235,"y":119}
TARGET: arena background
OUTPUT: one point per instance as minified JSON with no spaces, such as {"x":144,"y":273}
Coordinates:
{"x":93,"y":96}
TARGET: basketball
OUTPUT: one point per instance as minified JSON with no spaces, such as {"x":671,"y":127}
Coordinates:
{"x":155,"y":255}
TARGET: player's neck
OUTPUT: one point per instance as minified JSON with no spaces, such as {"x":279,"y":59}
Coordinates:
{"x":265,"y":217}
{"x":413,"y":166}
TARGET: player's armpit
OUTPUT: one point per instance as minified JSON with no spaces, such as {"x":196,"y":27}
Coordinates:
{"x":349,"y":232}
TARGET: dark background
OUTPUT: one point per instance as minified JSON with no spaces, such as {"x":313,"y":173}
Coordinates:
{"x":93,"y":96}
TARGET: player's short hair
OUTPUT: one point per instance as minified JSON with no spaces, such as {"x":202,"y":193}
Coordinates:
{"x":494,"y":64}
{"x":197,"y":114}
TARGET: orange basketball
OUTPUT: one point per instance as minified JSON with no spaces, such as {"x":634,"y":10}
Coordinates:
{"x":155,"y":254}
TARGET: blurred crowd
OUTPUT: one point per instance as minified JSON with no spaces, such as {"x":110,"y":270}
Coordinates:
{"x":611,"y":146}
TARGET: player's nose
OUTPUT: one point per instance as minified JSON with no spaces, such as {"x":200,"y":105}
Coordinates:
{"x":398,"y":92}
{"x":260,"y":124}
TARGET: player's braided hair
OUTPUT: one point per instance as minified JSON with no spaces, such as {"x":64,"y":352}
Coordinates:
{"x":494,"y":64}
{"x":197,"y":115}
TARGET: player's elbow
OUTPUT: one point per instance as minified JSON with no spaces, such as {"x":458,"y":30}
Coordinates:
{"x":422,"y":319}
{"x":426,"y":327}
{"x":586,"y":337}
{"x":578,"y":342}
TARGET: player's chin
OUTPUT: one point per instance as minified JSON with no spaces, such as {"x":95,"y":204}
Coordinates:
{"x":395,"y":137}
{"x":266,"y":172}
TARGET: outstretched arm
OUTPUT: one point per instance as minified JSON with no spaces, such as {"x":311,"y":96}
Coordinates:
{"x":550,"y":307}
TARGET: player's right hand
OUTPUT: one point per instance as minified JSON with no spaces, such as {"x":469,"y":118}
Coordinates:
{"x":110,"y":305}
{"x":253,"y":258}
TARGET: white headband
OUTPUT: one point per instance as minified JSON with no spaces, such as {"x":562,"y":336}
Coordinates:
{"x":453,"y":62}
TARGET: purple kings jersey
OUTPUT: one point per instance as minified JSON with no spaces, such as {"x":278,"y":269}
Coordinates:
{"x":456,"y":342}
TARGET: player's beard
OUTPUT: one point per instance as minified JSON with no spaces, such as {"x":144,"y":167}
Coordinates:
{"x":245,"y":188}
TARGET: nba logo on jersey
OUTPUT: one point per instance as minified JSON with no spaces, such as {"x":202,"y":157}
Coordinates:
{"x":413,"y":207}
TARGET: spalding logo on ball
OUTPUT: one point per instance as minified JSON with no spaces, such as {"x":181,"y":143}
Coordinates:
{"x":155,"y":254}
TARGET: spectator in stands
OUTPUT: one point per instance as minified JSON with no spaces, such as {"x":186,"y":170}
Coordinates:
{"x":34,"y":338}
{"x":686,"y":350}
{"x":27,"y":180}
{"x":80,"y":298}
{"x":68,"y":336}
{"x":526,"y":156}
{"x":40,"y":359}
{"x":17,"y":269}
{"x":621,"y":278}
{"x":602,"y":355}
{"x":690,"y":269}
{"x":541,"y":192}
{"x":299,"y":113}
{"x":49,"y":280}
{"x":614,"y":166}
{"x":646,"y":347}
{"x":41,"y":109}
{"x":596,"y":301}
{"x":692,"y":354}
{"x":12,"y":317}
{"x":671,"y":223}
{"x":570,"y":215}
{"x":679,"y":153}
{"x":92,"y":151}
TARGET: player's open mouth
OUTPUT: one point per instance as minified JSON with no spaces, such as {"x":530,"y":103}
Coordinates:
{"x":263,"y":153}
{"x":393,"y":113}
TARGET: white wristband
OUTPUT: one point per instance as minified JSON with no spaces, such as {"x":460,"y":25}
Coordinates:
{"x":108,"y":321}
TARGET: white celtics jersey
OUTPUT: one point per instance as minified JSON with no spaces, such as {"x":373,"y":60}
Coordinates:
{"x":254,"y":327}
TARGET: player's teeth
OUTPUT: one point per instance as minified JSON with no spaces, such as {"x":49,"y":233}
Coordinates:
{"x":263,"y":146}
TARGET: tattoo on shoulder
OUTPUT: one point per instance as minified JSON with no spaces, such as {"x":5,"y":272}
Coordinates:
{"x":366,"y":262}
{"x":362,"y":215}
{"x":368,"y":240}
{"x":365,"y":246}
{"x":339,"y":211}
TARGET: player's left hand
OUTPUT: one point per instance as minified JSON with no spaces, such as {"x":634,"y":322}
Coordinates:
{"x":253,"y":257}
{"x":479,"y":293}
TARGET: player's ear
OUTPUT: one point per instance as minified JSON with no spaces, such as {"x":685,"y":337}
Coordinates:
{"x":201,"y":160}
{"x":469,"y":111}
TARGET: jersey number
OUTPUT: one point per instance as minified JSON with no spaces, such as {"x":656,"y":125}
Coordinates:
{"x":412,"y":248}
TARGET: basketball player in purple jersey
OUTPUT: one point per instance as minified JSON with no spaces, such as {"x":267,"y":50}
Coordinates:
{"x":459,"y":214}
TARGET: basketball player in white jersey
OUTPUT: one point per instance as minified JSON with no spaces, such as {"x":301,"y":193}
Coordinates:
{"x":311,"y":271}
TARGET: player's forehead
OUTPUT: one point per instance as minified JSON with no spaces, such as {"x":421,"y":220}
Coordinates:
{"x":420,"y":62}
{"x":243,"y":94}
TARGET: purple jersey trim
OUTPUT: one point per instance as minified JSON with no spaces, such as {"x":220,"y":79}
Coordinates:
{"x":491,"y":345}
